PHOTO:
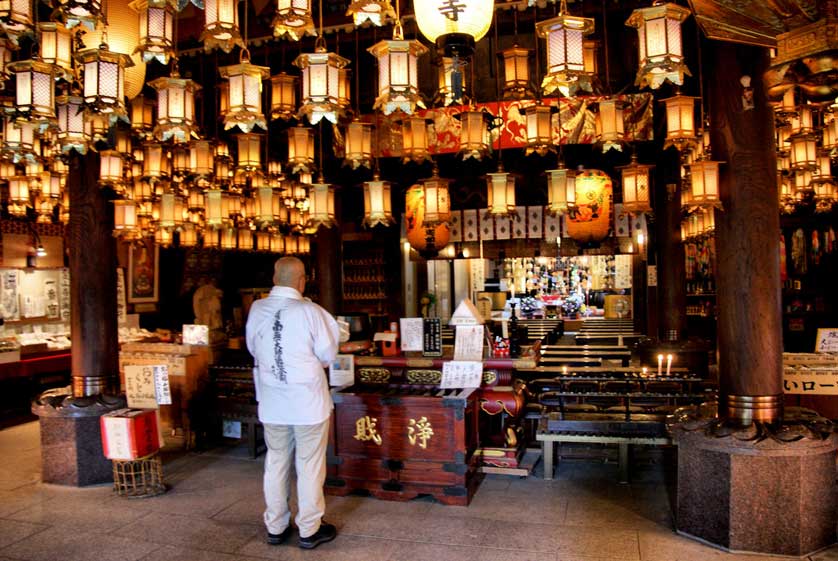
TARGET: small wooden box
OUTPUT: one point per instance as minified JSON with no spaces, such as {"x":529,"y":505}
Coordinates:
{"x":399,"y":441}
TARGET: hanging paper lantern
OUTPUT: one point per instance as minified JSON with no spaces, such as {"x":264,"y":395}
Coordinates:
{"x":172,"y":211}
{"x":156,"y":38}
{"x":661,"y":53}
{"x":358,"y":144}
{"x":516,"y":73}
{"x":249,"y":152}
{"x":680,"y":122}
{"x":221,"y":27}
{"x":51,"y":185}
{"x":175,"y":108}
{"x":374,"y":11}
{"x":201,"y":158}
{"x":180,"y":161}
{"x":705,"y":183}
{"x":15,"y":18}
{"x":565,"y":53}
{"x":610,"y":126}
{"x":377,"y":205}
{"x":245,"y":239}
{"x":474,"y":133}
{"x":34,"y":90}
{"x":561,"y":189}
{"x":19,"y":139}
{"x":344,"y":88}
{"x":538,"y":119}
{"x":426,"y":238}
{"x":803,"y":152}
{"x":300,"y":148}
{"x":437,"y":202}
{"x":802,"y":182}
{"x":320,"y":83}
{"x":636,"y":186}
{"x":142,"y":116}
{"x":267,"y":208}
{"x":19,"y":190}
{"x":415,"y":140}
{"x":293,"y":19}
{"x":455,"y":27}
{"x":6,"y":48}
{"x":56,"y":47}
{"x":398,"y":78}
{"x":321,"y":211}
{"x":802,"y":121}
{"x":589,"y":220}
{"x":104,"y":79}
{"x":188,"y":236}
{"x":283,"y":96}
{"x":275,"y":170}
{"x":245,"y":81}
{"x":125,"y":217}
{"x":155,"y":161}
{"x":214,"y":207}
{"x":500,"y":193}
{"x":110,"y":169}
{"x":590,"y":55}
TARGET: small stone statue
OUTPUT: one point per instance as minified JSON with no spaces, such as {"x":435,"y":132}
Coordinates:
{"x":206,"y":304}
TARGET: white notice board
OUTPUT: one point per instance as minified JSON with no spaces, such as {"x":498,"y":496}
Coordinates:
{"x":827,"y":340}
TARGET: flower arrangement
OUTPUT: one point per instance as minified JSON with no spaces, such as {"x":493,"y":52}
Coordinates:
{"x":572,"y":304}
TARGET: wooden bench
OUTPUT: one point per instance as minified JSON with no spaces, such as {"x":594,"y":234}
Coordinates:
{"x":623,"y":434}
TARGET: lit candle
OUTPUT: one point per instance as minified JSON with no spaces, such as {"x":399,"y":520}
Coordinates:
{"x":668,"y":363}
{"x":660,"y":365}
{"x":645,"y":372}
{"x":564,"y":370}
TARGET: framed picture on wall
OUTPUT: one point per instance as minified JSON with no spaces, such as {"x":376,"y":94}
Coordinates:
{"x":143,"y":271}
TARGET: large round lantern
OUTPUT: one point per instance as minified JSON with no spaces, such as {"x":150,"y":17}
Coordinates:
{"x":589,"y":220}
{"x":455,"y":26}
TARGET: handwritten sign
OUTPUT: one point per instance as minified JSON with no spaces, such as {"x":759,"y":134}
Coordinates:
{"x":468,"y":342}
{"x":827,"y":341}
{"x":121,"y":307}
{"x":342,"y":371}
{"x":139,"y":387}
{"x":461,"y":374}
{"x":411,"y":333}
{"x":194,"y":334}
{"x":810,"y":380}
{"x":147,"y":386}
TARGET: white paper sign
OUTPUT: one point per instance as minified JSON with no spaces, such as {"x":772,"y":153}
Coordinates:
{"x":140,"y":386}
{"x":194,"y":334}
{"x":121,"y":307}
{"x":827,"y":341}
{"x":468,"y":342}
{"x":161,"y":384}
{"x":342,"y":371}
{"x":461,"y":374}
{"x":231,"y":429}
{"x":410,"y":330}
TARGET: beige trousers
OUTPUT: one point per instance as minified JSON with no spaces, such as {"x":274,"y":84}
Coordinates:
{"x":306,"y":444}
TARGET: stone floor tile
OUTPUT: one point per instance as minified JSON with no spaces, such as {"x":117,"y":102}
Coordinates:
{"x":67,"y":544}
{"x":596,"y":542}
{"x":12,"y":531}
{"x":203,"y":504}
{"x":829,"y":554}
{"x":191,"y":532}
{"x":510,"y":555}
{"x":170,"y":553}
{"x":84,"y":513}
{"x":343,"y":548}
{"x":522,"y":536}
{"x":412,"y":551}
{"x":666,"y":545}
{"x":428,"y":529}
{"x":499,"y":505}
{"x":588,"y":512}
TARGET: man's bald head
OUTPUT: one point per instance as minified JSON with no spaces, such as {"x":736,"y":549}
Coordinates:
{"x":289,"y":271}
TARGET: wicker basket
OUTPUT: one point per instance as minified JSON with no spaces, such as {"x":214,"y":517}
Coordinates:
{"x":140,"y":478}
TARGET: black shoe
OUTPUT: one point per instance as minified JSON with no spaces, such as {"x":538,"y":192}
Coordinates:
{"x":326,"y":533}
{"x":276,"y":539}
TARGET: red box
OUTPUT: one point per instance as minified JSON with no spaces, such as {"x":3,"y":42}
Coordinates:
{"x":128,"y":434}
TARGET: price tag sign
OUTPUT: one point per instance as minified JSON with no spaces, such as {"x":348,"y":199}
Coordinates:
{"x":411,"y":332}
{"x":431,"y":337}
{"x":461,"y":374}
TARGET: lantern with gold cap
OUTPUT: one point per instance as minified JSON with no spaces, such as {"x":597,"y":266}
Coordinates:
{"x":34,"y":90}
{"x":500,"y":192}
{"x":474,"y":133}
{"x":436,"y":199}
{"x":565,"y":53}
{"x":245,"y":81}
{"x":125,"y":222}
{"x":221,"y":25}
{"x":680,"y":122}
{"x":377,"y":205}
{"x":175,"y":107}
{"x":104,"y":79}
{"x":516,"y":73}
{"x":283,"y":96}
{"x":561,"y":189}
{"x":415,"y":139}
{"x":610,"y":126}
{"x":55,"y":43}
{"x":704,"y":182}
{"x":374,"y":11}
{"x":538,"y":119}
{"x":321,"y":211}
{"x":156,"y":19}
{"x":300,"y":148}
{"x":398,"y":78}
{"x":358,"y":144}
{"x":636,"y":186}
{"x":15,"y":18}
{"x":293,"y":19}
{"x":320,"y":83}
{"x":661,"y":52}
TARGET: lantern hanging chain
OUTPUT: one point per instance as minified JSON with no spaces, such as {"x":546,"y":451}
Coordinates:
{"x":104,"y":23}
{"x":398,"y":32}
{"x":515,"y":24}
{"x":700,"y":88}
{"x":563,"y":8}
{"x":357,"y":77}
{"x":605,"y":47}
{"x":245,"y":53}
{"x":322,"y":165}
{"x":497,"y":96}
{"x":320,"y":42}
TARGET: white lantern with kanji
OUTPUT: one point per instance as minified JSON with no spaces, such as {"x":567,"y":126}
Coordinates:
{"x":398,"y":77}
{"x":245,"y":80}
{"x":320,"y":83}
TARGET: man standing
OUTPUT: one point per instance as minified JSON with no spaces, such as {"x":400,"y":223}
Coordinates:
{"x":292,"y":339}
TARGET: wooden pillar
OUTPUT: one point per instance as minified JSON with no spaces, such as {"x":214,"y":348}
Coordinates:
{"x":748,"y":266}
{"x":328,"y":266}
{"x":93,"y":262}
{"x":672,"y":283}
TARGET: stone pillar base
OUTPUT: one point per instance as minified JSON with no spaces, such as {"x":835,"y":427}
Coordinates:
{"x":759,"y":496}
{"x":71,"y":441}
